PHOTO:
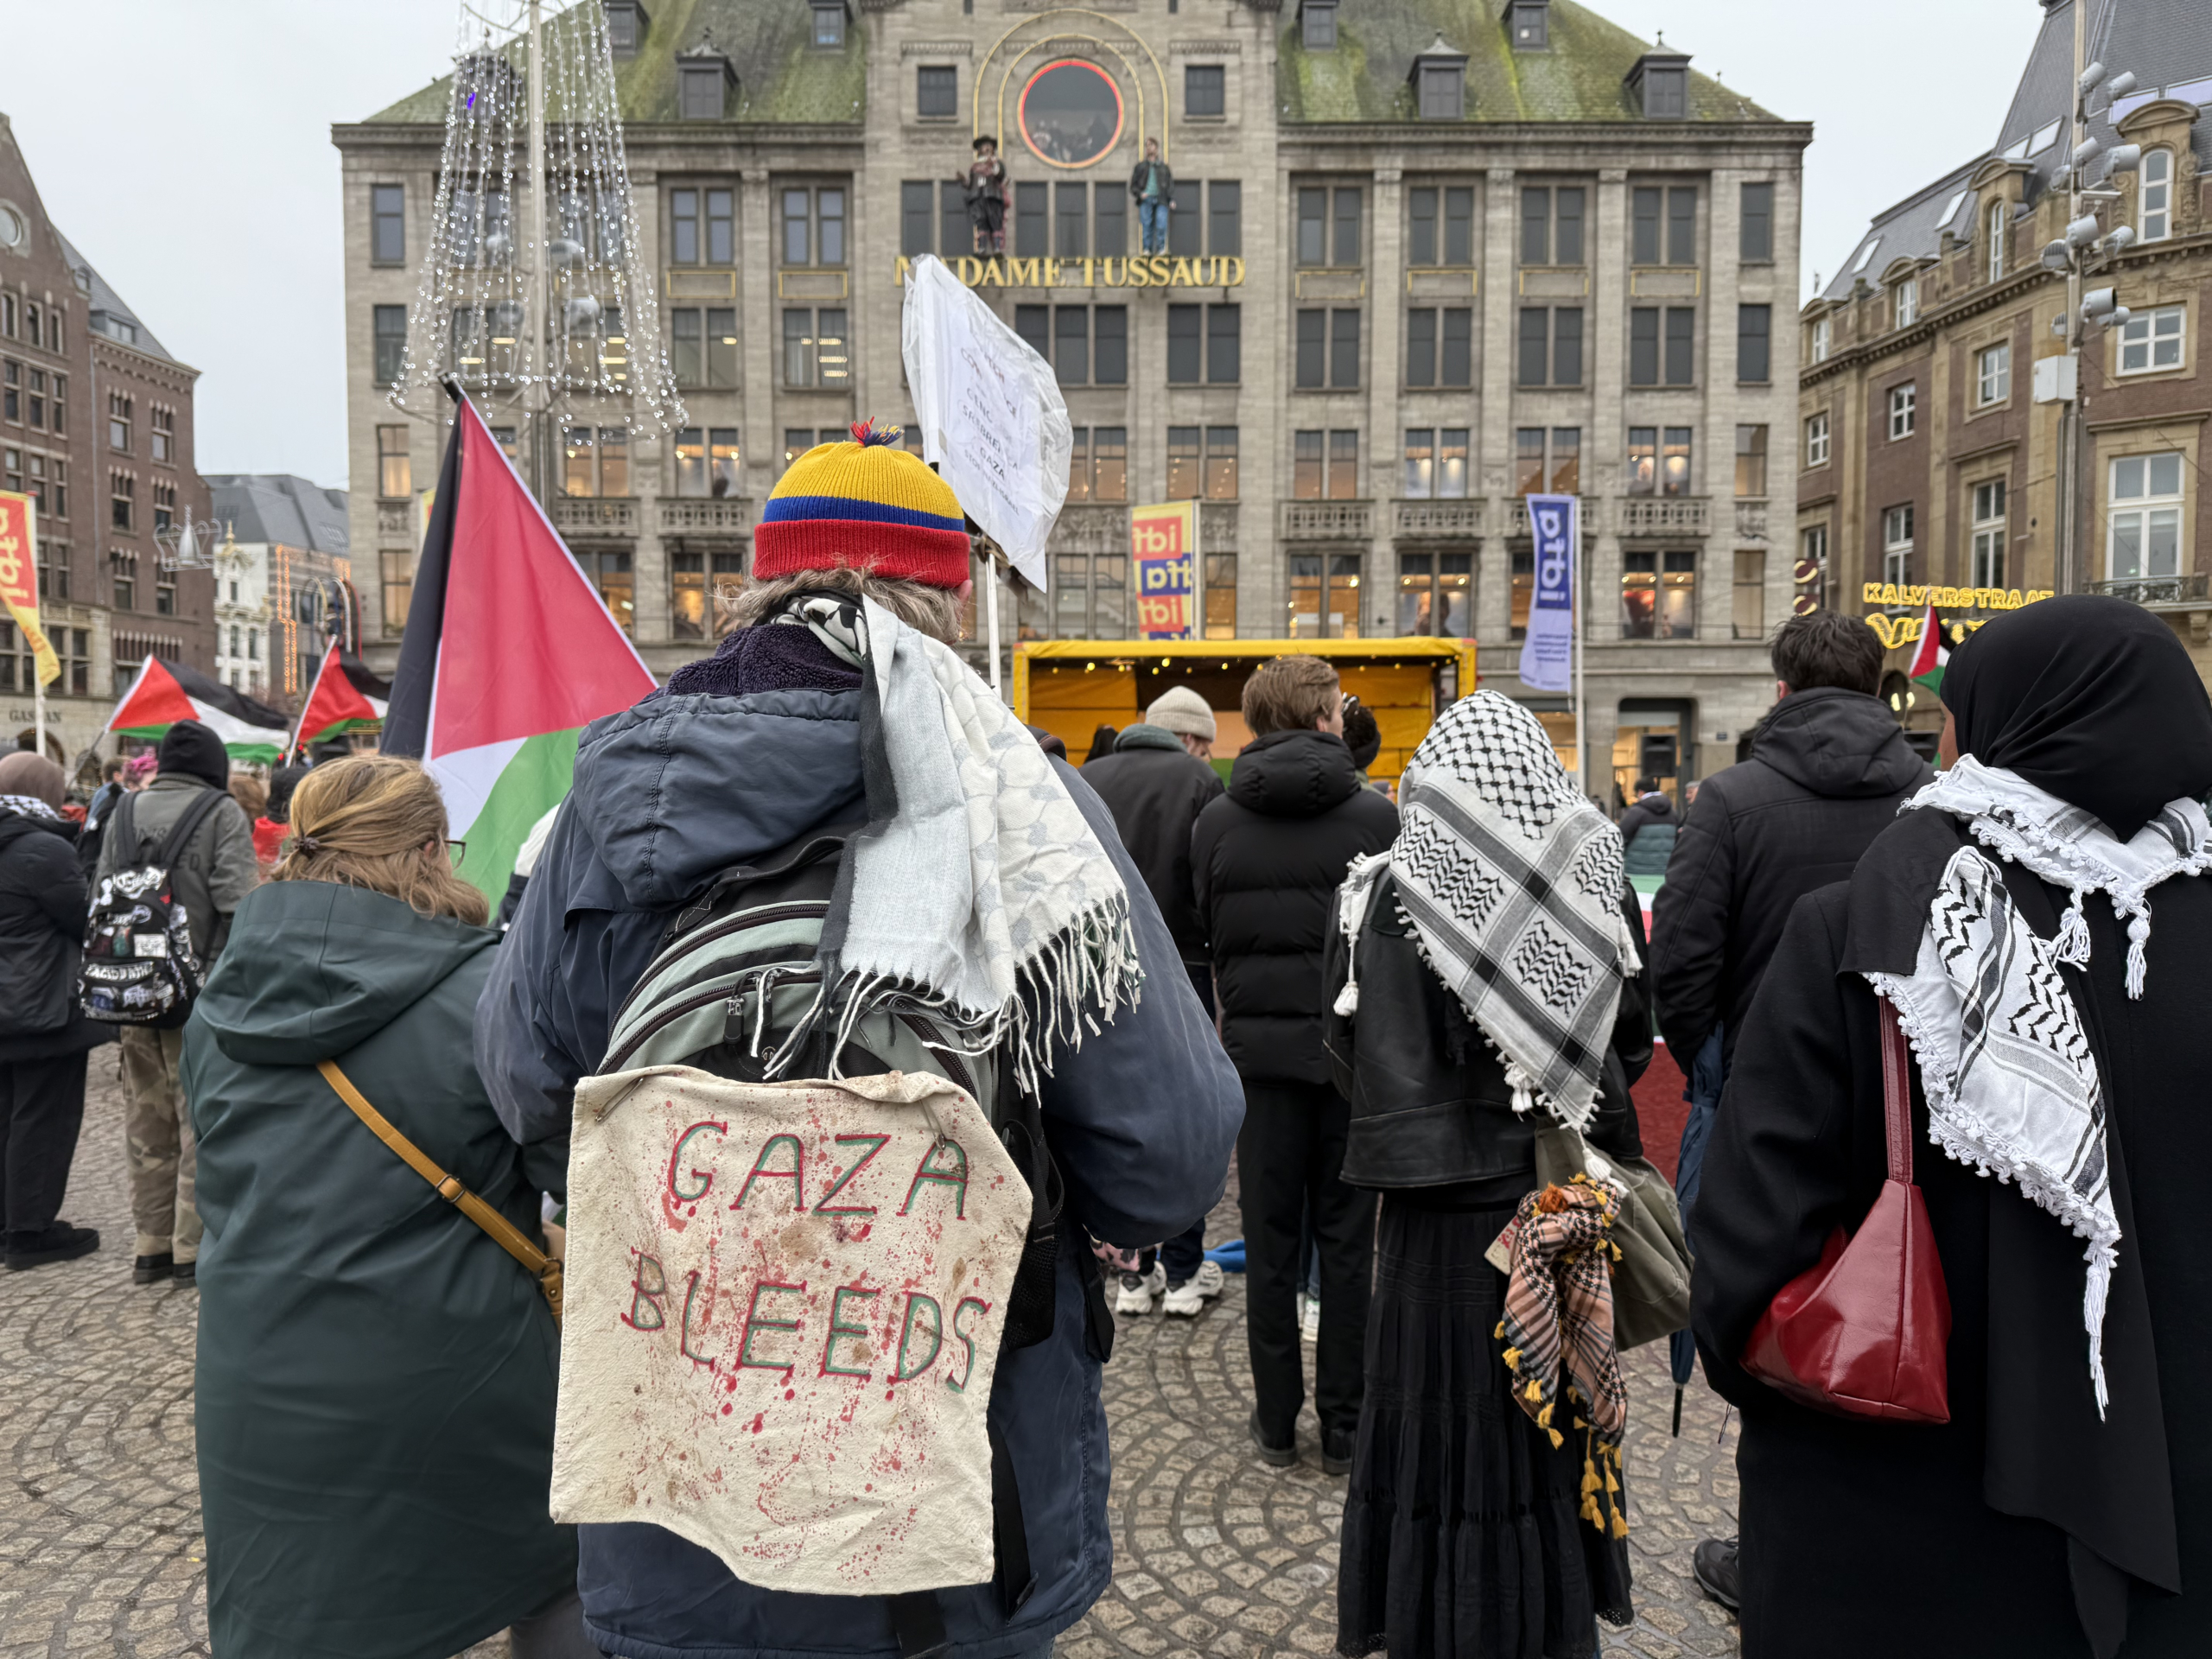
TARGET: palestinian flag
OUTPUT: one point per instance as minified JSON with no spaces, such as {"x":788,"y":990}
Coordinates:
{"x":1930,"y":656}
{"x":338,"y":702}
{"x":166,"y":692}
{"x":509,"y":653}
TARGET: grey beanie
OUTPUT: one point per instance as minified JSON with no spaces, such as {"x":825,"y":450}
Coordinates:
{"x":1183,"y":711}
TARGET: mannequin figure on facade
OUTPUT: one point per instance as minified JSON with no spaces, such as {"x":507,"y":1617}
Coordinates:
{"x":985,"y":182}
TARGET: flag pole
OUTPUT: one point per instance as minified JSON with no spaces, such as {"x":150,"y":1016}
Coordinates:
{"x":1576,"y":599}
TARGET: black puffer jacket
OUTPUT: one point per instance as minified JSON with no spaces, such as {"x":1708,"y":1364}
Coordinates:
{"x":1155,"y":789}
{"x":1828,"y":768}
{"x":1267,"y":858}
{"x":1430,"y":1105}
{"x":43,"y":905}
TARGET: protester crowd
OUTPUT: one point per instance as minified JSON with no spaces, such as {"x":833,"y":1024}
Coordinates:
{"x":1938,"y":1059}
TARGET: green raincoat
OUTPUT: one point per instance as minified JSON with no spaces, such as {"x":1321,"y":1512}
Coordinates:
{"x":376,"y":1377}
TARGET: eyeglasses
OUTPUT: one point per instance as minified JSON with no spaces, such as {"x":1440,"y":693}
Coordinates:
{"x":455,"y":849}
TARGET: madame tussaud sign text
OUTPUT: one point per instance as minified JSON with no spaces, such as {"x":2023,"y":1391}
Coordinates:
{"x":1141,"y":270}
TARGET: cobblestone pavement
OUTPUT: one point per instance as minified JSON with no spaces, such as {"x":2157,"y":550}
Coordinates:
{"x":100,"y":1548}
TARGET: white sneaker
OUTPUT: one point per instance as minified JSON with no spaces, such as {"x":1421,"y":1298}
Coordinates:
{"x":1188,"y":1300}
{"x":1139,"y":1291}
{"x":1309,"y":1321}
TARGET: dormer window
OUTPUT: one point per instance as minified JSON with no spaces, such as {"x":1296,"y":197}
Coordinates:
{"x":626,"y":23}
{"x":1660,"y":82}
{"x":1529,"y":22}
{"x":1904,"y":301}
{"x":1316,"y":25}
{"x":828,"y":31}
{"x":1439,"y":79}
{"x":1999,"y":220}
{"x":703,"y":80}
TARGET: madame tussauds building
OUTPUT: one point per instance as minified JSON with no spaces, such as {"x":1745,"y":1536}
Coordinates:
{"x":1421,"y":258}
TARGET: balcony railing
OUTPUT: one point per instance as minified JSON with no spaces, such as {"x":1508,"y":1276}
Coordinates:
{"x":1439,"y":520}
{"x":1751,"y":521}
{"x":1516,"y":515}
{"x":705,"y":516}
{"x":1328,"y":521}
{"x":2190,"y":588}
{"x":1665,"y":515}
{"x":616,"y":515}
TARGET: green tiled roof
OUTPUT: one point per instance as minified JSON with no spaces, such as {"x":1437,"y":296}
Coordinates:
{"x":1581,"y":78}
{"x":781,"y":76}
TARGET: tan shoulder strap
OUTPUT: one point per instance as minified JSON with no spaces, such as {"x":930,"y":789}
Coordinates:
{"x":503,"y":1232}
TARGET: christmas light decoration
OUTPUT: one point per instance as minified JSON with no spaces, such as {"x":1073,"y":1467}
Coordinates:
{"x":538,"y":304}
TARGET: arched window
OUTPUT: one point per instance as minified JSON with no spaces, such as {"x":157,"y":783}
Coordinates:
{"x":1999,"y":219}
{"x":2155,"y":222}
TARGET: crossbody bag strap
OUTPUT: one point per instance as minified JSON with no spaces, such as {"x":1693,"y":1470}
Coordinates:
{"x":503,"y":1232}
{"x":1896,"y":1095}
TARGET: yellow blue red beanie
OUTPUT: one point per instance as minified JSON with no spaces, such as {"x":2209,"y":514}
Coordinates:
{"x":866,"y":505}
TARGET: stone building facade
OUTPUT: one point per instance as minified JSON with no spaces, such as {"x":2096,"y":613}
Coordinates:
{"x":1423,"y":258}
{"x":284,"y":583}
{"x":96,"y":423}
{"x":1928,"y":424}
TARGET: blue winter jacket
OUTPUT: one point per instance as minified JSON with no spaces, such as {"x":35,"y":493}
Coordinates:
{"x":1141,"y":1119}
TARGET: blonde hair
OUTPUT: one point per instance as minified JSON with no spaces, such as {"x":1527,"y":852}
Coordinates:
{"x":933,"y":611}
{"x":249,"y":792}
{"x":365,"y":822}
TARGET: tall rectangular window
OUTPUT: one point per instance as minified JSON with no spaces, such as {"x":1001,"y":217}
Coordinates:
{"x":1816,"y":439}
{"x":1644,"y":345}
{"x":1417,"y":478}
{"x":1032,"y":230}
{"x":398,"y":575}
{"x":1421,"y":346}
{"x":1747,"y":600}
{"x":1420,"y":225}
{"x":1681,"y":225}
{"x":1109,"y":223}
{"x":1221,"y":596}
{"x":1311,"y":355}
{"x":684,"y":227}
{"x":1751,"y":461}
{"x":1535,"y":363}
{"x":1224,"y":360}
{"x":1221,"y":463}
{"x":1071,"y":344}
{"x":1989,"y":520}
{"x":1529,"y":461}
{"x":1456,"y":355}
{"x":1992,"y":373}
{"x":1822,"y":336}
{"x":721,"y":225}
{"x":1754,"y":343}
{"x":1646,"y":204}
{"x":1551,"y":225}
{"x":1535,"y":225}
{"x":1439,"y":347}
{"x":2154,"y":196}
{"x":2143,"y":524}
{"x":1658,"y":596}
{"x":1034,"y":323}
{"x":388,"y":333}
{"x":1186,"y":224}
{"x":1896,"y":544}
{"x":1185,"y":349}
{"x":1312,"y":227}
{"x":1345,"y":241}
{"x":1524,"y":589}
{"x":1642,"y":460}
{"x":721,"y":346}
{"x":395,"y":475}
{"x":1109,"y":358}
{"x":1566,"y":460}
{"x":387,"y":225}
{"x":1225,"y":218}
{"x":937,"y":90}
{"x":1203,"y":89}
{"x":1460,"y":224}
{"x":1904,"y":409}
{"x":1754,"y":226}
{"x":954,"y":234}
{"x":1674,"y":461}
{"x":917,"y":218}
{"x":1309,"y":465}
{"x":1182,"y":452}
{"x":1071,"y":220}
{"x":1344,"y":348}
{"x":687,"y":355}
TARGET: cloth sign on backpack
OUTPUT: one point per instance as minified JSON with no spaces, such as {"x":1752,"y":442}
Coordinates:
{"x":785,"y":1302}
{"x":139,"y":966}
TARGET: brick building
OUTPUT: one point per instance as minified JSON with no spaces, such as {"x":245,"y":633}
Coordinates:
{"x":1929,"y":430}
{"x":1425,"y":256}
{"x":96,"y":422}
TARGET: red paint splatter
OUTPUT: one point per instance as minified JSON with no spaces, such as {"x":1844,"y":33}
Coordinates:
{"x":728,"y":1409}
{"x":757,"y":1416}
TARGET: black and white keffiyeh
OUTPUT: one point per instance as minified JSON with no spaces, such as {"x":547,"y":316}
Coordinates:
{"x":30,"y":806}
{"x":2012,"y":1081}
{"x":1511,"y":883}
{"x":978,"y":892}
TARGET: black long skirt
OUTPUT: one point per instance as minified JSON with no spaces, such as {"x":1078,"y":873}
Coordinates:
{"x":1461,"y":1539}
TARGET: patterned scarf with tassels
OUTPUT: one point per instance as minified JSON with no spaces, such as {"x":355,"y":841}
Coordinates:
{"x":1558,"y":1331}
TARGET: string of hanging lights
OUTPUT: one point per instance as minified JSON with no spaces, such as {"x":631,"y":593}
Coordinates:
{"x":539,"y":303}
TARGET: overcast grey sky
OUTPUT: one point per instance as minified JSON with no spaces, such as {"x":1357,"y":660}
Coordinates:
{"x":185,"y":149}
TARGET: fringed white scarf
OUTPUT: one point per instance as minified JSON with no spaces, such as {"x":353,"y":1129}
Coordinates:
{"x":986,"y":900}
{"x":1510,"y":881}
{"x":2011,"y":1083}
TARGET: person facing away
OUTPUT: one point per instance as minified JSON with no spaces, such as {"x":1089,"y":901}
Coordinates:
{"x":115,"y":783}
{"x":747,"y":754}
{"x":211,"y":874}
{"x":2041,"y":919}
{"x":1648,"y":829}
{"x":375,"y":1378}
{"x":1152,"y":187}
{"x":1266,"y":859}
{"x":44,"y":1037}
{"x":1463,"y":1534}
{"x":1364,"y":737}
{"x":1156,"y":782}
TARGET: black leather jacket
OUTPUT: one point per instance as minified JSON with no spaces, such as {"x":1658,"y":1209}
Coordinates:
{"x":1430,"y":1106}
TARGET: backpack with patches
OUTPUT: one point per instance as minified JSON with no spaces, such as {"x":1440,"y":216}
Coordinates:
{"x":139,"y":966}
{"x":870,"y":1210}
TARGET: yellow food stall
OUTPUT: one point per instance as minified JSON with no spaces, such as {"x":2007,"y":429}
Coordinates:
{"x":1072,"y":687}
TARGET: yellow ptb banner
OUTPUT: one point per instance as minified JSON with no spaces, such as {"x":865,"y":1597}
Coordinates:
{"x":19,"y":577}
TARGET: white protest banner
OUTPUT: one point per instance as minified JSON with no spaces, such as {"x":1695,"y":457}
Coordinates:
{"x":784,"y":1305}
{"x":1547,"y":651}
{"x":994,"y":422}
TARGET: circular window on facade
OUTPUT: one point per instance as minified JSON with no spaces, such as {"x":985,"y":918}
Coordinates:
{"x":12,"y":229}
{"x":1071,"y":113}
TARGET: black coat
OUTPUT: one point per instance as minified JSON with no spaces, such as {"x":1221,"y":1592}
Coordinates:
{"x":1853,"y":1531}
{"x":1155,"y":793}
{"x":1267,"y":858}
{"x":1430,"y":1105}
{"x":1647,"y":808}
{"x":1827,"y":769}
{"x":43,"y":907}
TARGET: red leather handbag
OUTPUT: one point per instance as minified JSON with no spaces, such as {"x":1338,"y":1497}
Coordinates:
{"x":1863,"y":1333}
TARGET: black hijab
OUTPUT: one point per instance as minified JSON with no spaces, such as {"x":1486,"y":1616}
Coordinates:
{"x":191,"y":750}
{"x":2090,"y":699}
